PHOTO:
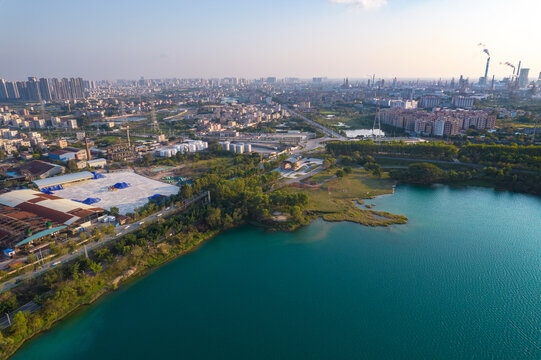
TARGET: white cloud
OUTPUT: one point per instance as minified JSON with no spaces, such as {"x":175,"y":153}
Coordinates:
{"x":363,"y":4}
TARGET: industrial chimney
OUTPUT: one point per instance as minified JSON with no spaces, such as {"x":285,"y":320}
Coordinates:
{"x":486,"y":70}
{"x":88,"y":156}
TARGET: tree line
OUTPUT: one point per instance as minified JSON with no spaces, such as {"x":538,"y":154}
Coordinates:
{"x":506,"y":178}
{"x":426,"y":150}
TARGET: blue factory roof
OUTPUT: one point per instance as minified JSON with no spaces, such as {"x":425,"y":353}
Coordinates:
{"x":40,"y":235}
{"x":63,"y":179}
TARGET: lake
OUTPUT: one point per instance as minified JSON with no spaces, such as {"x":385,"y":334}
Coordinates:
{"x":461,"y":280}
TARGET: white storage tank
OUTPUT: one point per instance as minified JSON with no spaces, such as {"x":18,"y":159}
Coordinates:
{"x":239,"y":148}
{"x":247,"y":148}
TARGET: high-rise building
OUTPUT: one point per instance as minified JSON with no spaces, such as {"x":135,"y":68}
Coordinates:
{"x":3,"y":90}
{"x":23,"y":90}
{"x":32,"y":89}
{"x":523,"y":78}
{"x":465,"y":102}
{"x":13,"y":91}
{"x":45,"y":89}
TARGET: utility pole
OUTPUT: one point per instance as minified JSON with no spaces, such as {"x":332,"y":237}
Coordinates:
{"x":9,"y":320}
{"x":86,"y":252}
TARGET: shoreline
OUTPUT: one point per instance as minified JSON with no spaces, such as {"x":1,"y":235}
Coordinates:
{"x":144,"y":270}
{"x":110,"y":288}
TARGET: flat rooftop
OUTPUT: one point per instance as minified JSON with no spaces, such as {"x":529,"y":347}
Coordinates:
{"x":63,"y":179}
{"x":126,"y":200}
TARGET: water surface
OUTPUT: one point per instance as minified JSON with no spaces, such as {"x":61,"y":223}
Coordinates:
{"x":462,"y":280}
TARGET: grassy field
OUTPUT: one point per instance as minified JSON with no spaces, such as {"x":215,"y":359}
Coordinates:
{"x":353,"y":119}
{"x":338,"y":199}
{"x":200,"y":167}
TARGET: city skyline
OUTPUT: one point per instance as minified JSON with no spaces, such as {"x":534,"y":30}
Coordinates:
{"x":252,"y":39}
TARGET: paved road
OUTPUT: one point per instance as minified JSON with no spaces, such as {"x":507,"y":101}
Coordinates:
{"x":305,"y":176}
{"x":29,"y":307}
{"x":91,"y":245}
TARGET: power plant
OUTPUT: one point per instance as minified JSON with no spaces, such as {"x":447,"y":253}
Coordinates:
{"x":484,"y":80}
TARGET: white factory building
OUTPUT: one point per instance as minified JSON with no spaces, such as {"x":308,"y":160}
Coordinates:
{"x":239,"y":148}
{"x":189,"y":146}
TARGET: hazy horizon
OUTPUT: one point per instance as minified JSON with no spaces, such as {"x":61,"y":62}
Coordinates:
{"x":407,"y":39}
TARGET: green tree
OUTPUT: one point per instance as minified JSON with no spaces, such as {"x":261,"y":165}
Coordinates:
{"x":296,"y":214}
{"x":31,"y":258}
{"x":147,"y":159}
{"x":186,"y":192}
{"x":95,"y":267}
{"x":72,"y":165}
{"x":114,"y":211}
{"x":19,"y":326}
{"x":35,"y":323}
{"x":214,"y":218}
{"x":104,"y":255}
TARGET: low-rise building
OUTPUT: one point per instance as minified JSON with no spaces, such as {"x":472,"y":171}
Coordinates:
{"x":38,"y":169}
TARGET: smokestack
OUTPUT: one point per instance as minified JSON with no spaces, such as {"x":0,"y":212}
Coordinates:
{"x":518,"y":69}
{"x":492,"y":84}
{"x":486,"y":70}
{"x":128,"y":133}
{"x":88,"y":156}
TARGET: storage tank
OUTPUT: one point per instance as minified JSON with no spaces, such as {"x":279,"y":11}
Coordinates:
{"x":239,"y":148}
{"x":247,"y":148}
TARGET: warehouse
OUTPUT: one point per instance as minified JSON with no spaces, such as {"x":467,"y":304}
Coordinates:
{"x":62,"y":211}
{"x":16,"y":226}
{"x":38,"y":169}
{"x":124,"y":190}
{"x":64,"y":180}
{"x":27,"y":216}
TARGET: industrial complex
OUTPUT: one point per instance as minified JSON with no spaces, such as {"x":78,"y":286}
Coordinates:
{"x":71,"y":201}
{"x":28,"y":215}
{"x":126,"y":198}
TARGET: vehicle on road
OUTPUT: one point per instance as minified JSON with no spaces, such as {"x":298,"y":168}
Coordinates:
{"x":56,"y":263}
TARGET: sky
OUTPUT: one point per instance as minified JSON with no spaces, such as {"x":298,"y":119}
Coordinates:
{"x":127,"y":39}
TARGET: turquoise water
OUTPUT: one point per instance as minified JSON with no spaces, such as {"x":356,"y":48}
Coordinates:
{"x":461,"y":280}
